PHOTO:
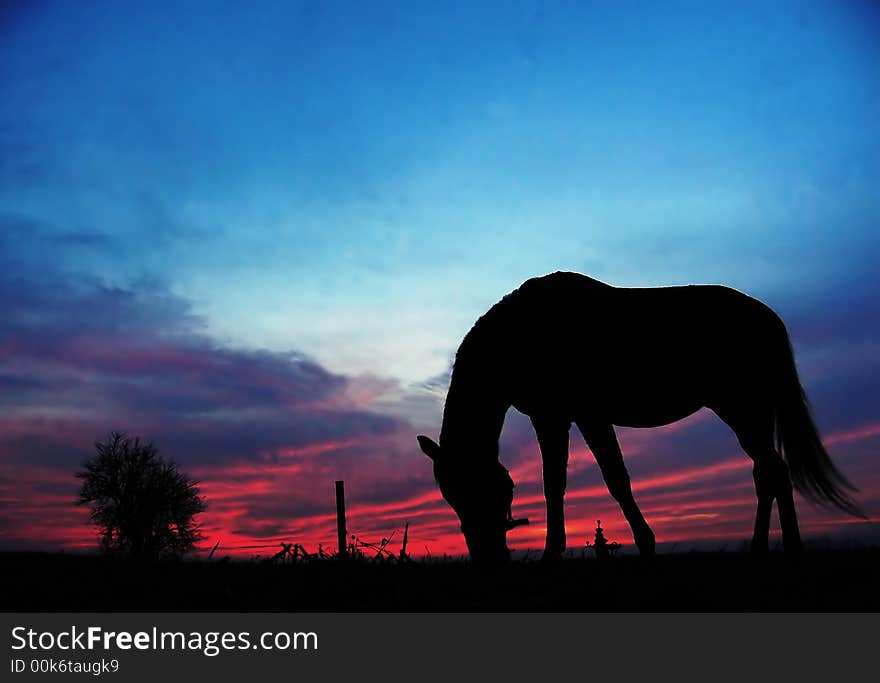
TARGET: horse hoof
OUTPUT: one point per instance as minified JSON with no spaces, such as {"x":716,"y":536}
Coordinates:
{"x":793,"y":551}
{"x":551,"y":557}
{"x":759,"y":551}
{"x":647,"y":547}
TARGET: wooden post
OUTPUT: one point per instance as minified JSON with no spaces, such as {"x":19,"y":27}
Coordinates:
{"x":403,"y":555}
{"x":340,"y":518}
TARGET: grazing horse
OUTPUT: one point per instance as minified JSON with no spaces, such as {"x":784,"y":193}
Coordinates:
{"x":567,"y":348}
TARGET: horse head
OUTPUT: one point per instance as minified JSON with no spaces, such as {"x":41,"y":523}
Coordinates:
{"x":481,"y":493}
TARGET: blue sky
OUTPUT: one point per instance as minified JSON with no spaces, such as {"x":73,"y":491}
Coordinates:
{"x":357,"y":184}
{"x":361,"y":183}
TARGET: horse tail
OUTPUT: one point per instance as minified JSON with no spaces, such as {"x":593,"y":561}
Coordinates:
{"x":813,"y":474}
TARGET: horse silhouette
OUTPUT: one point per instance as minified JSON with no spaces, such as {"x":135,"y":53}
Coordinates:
{"x":566,"y":348}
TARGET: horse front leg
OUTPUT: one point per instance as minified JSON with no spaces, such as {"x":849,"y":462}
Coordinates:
{"x":603,"y":443}
{"x":553,"y":440}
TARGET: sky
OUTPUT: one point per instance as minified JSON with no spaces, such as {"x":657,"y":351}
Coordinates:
{"x":257,"y":235}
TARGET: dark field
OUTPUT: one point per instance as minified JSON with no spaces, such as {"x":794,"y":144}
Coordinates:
{"x":840,"y":580}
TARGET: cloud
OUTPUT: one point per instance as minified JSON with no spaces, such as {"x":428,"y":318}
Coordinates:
{"x":264,"y":430}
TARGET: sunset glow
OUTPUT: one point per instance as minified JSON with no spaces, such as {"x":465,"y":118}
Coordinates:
{"x":260,"y":248}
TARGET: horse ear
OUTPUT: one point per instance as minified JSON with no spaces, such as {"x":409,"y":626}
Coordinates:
{"x":429,"y":448}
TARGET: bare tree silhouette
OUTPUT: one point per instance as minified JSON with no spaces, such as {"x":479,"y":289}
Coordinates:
{"x":142,"y":503}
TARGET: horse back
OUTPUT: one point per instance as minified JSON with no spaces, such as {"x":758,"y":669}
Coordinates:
{"x":564,"y":339}
{"x":560,"y":306}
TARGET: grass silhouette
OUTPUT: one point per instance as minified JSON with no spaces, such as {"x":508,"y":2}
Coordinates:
{"x":823,"y":580}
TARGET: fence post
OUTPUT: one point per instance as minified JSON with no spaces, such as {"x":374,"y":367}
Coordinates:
{"x":340,"y":518}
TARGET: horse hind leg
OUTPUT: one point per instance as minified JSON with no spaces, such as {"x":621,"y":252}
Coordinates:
{"x":772,"y":481}
{"x":603,"y":443}
{"x":777,"y":473}
{"x":764,"y":488}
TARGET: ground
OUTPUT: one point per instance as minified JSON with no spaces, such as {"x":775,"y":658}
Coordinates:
{"x":840,"y":580}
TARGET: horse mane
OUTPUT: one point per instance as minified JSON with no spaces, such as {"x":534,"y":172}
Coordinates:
{"x":478,"y":367}
{"x":482,"y":365}
{"x":504,"y":320}
{"x":470,"y":369}
{"x":489,"y":328}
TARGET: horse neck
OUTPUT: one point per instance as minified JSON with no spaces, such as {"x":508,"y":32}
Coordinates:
{"x":473,"y":415}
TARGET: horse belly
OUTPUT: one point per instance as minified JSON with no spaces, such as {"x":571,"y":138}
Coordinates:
{"x":620,"y":400}
{"x":645,"y":414}
{"x":630,"y":398}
